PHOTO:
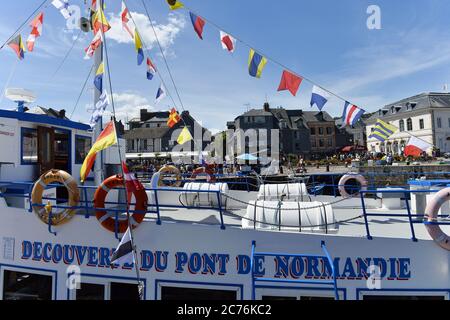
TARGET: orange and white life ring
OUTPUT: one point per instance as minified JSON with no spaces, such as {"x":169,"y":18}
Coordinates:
{"x":47,"y":178}
{"x":431,"y":214}
{"x":107,"y":218}
{"x":204,"y":171}
{"x":169,"y":170}
{"x":351,"y":176}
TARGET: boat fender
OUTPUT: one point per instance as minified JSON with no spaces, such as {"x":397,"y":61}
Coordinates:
{"x":107,"y":218}
{"x":431,"y":215}
{"x":47,"y":178}
{"x":347,"y":177}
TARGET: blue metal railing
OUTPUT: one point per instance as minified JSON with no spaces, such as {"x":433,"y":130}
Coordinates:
{"x":326,"y":257}
{"x":85,"y":206}
{"x":412,"y":218}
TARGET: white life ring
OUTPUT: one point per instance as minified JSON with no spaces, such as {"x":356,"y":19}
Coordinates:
{"x":349,"y":176}
{"x":431,"y":214}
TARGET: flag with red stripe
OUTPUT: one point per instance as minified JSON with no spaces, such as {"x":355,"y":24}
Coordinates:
{"x":36,"y":30}
{"x":351,"y":114}
{"x":198,"y":24}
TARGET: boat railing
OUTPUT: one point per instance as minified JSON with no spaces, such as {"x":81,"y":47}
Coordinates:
{"x":85,"y":206}
{"x":413,"y":218}
{"x":325,"y":257}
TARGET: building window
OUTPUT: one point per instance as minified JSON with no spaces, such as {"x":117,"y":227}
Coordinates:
{"x":29,"y":145}
{"x":82,"y":147}
{"x":409,"y":125}
{"x":26,"y":286}
{"x":321,"y":143}
{"x":260,"y":120}
{"x":329,"y":130}
{"x":330,"y":142}
{"x":439,"y":123}
{"x":313,"y":131}
{"x":421,"y":124}
{"x":321,"y":131}
{"x":313,"y":143}
{"x":401,"y":125}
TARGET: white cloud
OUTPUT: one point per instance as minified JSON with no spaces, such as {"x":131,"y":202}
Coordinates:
{"x":166,"y":33}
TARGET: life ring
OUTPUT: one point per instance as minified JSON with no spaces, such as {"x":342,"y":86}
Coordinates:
{"x":347,"y":177}
{"x":431,"y":215}
{"x":167,"y":169}
{"x":106,"y":218}
{"x":204,"y":170}
{"x":47,"y":178}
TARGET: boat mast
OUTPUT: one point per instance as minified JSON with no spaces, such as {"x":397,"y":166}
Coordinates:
{"x":98,"y":166}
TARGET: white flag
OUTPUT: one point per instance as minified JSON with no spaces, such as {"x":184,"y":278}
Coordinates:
{"x":161,"y":94}
{"x":63,"y":7}
{"x":99,"y":108}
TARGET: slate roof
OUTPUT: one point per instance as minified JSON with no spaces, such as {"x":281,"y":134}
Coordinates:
{"x":420,"y":102}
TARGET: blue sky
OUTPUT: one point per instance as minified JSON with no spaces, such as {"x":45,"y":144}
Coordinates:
{"x":324,"y":40}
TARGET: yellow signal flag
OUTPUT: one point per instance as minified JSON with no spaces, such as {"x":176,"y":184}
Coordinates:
{"x":175,"y":4}
{"x":185,"y":136}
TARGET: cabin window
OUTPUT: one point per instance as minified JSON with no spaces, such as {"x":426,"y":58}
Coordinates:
{"x":91,"y":291}
{"x":82,"y":147}
{"x":29,"y":145}
{"x":183,"y":293}
{"x":26,"y":286}
{"x":273,"y":298}
{"x":399,"y":297}
{"x":124,"y":291}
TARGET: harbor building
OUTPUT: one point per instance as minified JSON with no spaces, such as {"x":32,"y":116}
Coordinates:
{"x":426,"y":116}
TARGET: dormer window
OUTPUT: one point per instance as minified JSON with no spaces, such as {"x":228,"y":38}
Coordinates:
{"x":392,"y":109}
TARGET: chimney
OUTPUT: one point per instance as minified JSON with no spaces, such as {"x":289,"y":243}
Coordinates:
{"x":266,"y":107}
{"x":62,"y":114}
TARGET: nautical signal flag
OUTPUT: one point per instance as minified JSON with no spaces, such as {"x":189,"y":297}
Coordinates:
{"x":106,"y":139}
{"x":36,"y":30}
{"x":124,"y":251}
{"x":351,"y":114}
{"x":185,"y":136}
{"x":100,"y":22}
{"x":125,"y":16}
{"x":132,"y":184}
{"x":175,"y":4}
{"x":99,"y":109}
{"x":139,"y":49}
{"x":228,"y":42}
{"x":161,"y":94}
{"x":17,"y":45}
{"x":198,"y":24}
{"x":319,"y":97}
{"x":95,"y":43}
{"x":290,"y":82}
{"x":98,"y":80}
{"x":63,"y":7}
{"x":382,"y":130}
{"x":151,"y":69}
{"x":256,"y":64}
{"x":416,"y":147}
{"x":174,"y":118}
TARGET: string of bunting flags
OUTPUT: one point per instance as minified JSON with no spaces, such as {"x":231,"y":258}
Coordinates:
{"x":290,"y":81}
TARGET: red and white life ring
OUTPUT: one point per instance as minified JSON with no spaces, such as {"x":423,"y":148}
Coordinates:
{"x":202,"y":171}
{"x":106,"y":218}
{"x":431,"y":214}
{"x":347,"y":177}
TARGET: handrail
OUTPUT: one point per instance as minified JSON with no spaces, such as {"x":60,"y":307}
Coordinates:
{"x":326,"y":257}
{"x":408,"y":213}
